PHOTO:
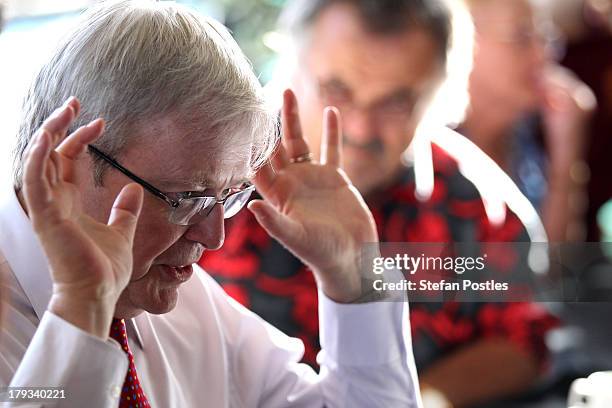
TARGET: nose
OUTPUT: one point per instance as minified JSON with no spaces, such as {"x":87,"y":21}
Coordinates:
{"x":210,"y":231}
{"x":360,"y":126}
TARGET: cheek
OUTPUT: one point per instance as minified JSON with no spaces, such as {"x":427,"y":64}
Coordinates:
{"x":97,"y":201}
{"x":396,"y":137}
{"x":498,"y":76}
{"x":151,"y":294}
{"x":494,"y":65}
{"x":154,"y":235}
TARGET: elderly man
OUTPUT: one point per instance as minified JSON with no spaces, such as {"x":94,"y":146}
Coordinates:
{"x":380,"y":62}
{"x":112,"y":315}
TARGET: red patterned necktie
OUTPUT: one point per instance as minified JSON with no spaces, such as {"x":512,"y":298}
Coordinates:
{"x":132,"y":395}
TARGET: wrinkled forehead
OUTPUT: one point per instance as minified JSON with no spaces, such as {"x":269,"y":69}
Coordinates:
{"x":182,"y":159}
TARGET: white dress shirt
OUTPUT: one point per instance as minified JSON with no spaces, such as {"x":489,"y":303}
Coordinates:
{"x":207,"y":352}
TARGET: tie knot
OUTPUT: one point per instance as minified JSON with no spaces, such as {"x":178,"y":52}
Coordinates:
{"x":119,"y":333}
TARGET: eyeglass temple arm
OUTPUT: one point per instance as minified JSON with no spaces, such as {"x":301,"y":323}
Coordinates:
{"x":134,"y":177}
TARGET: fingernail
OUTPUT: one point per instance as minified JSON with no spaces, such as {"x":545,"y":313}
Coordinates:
{"x":68,"y":101}
{"x":67,"y":105}
{"x":56,"y":113}
{"x":329,"y":112}
{"x":94,"y":123}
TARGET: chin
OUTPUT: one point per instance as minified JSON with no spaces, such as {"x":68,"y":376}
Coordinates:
{"x":154,"y":300}
{"x":163,"y":301}
{"x":367,"y":179}
{"x":157,"y":291}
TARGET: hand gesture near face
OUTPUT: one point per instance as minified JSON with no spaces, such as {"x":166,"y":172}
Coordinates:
{"x":312,"y":208}
{"x":90,"y":262}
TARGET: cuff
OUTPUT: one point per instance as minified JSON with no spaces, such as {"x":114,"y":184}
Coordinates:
{"x":91,"y":371}
{"x":364,"y":333}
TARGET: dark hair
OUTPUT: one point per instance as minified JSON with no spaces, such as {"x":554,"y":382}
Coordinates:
{"x":383,"y":17}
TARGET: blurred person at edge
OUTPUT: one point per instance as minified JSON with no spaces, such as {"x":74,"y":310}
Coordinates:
{"x":2,"y":11}
{"x":586,"y":30}
{"x":106,"y":304}
{"x":2,"y":6}
{"x":380,"y":63}
{"x":529,"y":114}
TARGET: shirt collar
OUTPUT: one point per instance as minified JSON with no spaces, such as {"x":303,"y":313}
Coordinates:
{"x":132,"y":327}
{"x":26,"y":258}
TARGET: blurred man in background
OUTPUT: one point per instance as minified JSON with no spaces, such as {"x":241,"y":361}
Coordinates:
{"x":380,"y":63}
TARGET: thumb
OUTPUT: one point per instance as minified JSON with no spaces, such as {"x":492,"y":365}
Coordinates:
{"x":126,"y":209}
{"x":274,"y":222}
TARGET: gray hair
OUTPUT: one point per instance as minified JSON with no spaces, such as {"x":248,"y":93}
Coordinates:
{"x":383,"y":17}
{"x":131,"y":62}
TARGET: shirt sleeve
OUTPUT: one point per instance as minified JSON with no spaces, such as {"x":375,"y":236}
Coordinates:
{"x":366,"y":354}
{"x":61,"y":355}
{"x":366,"y":358}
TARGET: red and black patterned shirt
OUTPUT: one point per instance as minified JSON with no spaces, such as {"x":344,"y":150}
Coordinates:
{"x":258,"y":272}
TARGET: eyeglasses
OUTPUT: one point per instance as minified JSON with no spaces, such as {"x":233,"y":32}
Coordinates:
{"x":188,"y":208}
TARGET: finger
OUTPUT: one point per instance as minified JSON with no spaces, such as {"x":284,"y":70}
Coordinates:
{"x":264,"y":182}
{"x":126,"y":210}
{"x":331,"y":143}
{"x":555,"y":98}
{"x":77,"y":142}
{"x":280,"y":159}
{"x":54,"y":168}
{"x":36,"y":188}
{"x":58,"y":122}
{"x":585,"y":98}
{"x":292,"y":139}
{"x":74,"y":104}
{"x":74,"y":145}
{"x":275,"y":223}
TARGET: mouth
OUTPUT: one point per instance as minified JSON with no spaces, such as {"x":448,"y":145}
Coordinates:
{"x":178,"y":274}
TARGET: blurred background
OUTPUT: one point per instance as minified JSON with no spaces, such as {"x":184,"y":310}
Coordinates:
{"x":579,"y":34}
